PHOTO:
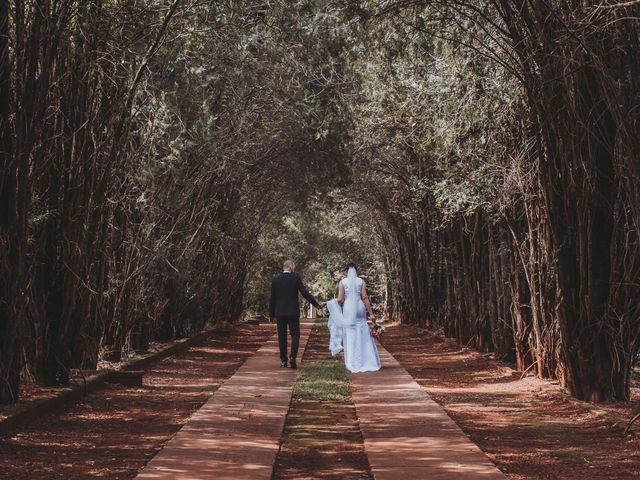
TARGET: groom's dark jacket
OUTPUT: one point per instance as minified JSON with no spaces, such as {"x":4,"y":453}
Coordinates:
{"x":284,"y":295}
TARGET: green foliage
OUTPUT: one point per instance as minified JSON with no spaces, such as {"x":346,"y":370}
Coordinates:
{"x":162,"y":162}
{"x":241,"y":127}
{"x":322,"y":237}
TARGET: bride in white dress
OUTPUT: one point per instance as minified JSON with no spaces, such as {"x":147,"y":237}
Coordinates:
{"x":348,"y":325}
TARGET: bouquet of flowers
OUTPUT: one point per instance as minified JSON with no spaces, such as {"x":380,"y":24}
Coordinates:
{"x":377,"y":330}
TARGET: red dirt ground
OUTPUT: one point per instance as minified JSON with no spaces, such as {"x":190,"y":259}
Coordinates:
{"x":529,"y":427}
{"x":31,"y":391}
{"x":114,"y":432}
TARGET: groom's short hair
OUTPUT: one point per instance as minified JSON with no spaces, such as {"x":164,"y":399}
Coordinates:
{"x":289,"y":264}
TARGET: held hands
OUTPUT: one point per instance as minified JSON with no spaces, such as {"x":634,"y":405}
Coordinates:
{"x":321,"y":305}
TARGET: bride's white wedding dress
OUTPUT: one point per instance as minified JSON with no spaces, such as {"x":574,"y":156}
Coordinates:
{"x":349,"y":330}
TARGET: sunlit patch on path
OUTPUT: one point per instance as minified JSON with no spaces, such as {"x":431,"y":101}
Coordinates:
{"x":409,"y":436}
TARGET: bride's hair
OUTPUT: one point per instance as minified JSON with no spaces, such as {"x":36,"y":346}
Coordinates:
{"x":351,"y":265}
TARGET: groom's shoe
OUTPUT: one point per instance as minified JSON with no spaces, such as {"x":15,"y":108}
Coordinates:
{"x":283,"y":364}
{"x":293,"y":363}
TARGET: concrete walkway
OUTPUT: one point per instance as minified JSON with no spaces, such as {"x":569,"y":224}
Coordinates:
{"x":409,"y":436}
{"x":236,"y":434}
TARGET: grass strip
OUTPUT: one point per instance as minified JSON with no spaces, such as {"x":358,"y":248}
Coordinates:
{"x":323,"y":380}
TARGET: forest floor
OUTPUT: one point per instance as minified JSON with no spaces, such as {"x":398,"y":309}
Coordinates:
{"x":115,"y":431}
{"x":529,"y":427}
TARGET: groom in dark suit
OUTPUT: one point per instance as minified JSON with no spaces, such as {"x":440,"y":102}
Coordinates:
{"x":286,"y":310}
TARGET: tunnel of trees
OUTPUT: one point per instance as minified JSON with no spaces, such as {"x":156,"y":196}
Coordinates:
{"x":480,"y":160}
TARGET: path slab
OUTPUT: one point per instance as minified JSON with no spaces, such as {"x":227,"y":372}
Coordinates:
{"x":236,"y":433}
{"x":409,"y":436}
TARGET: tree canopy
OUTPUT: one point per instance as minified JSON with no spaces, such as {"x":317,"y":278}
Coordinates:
{"x":478,"y":159}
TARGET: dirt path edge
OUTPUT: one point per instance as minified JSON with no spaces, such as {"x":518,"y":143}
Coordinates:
{"x":65,"y":398}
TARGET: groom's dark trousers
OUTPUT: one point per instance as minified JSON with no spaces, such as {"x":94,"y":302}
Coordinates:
{"x":293,"y":323}
{"x":285,"y":308}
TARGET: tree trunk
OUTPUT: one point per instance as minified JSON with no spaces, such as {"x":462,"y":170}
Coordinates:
{"x":11,"y":239}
